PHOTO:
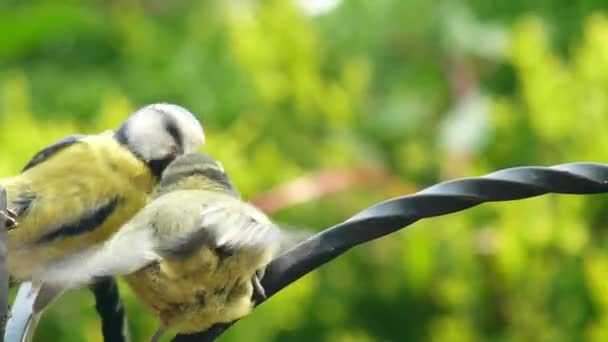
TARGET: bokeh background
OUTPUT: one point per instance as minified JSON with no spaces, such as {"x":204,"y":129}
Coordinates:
{"x":319,"y":108}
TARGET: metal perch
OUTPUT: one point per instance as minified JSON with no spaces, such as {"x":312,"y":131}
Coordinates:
{"x":392,"y":215}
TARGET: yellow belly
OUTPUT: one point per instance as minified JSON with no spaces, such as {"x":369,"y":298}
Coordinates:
{"x":192,"y":295}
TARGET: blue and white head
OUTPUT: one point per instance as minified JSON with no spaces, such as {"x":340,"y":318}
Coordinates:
{"x":160,"y":132}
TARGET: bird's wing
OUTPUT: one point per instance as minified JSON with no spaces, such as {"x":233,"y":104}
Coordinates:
{"x":50,"y":150}
{"x":159,"y":231}
{"x":126,"y":252}
{"x":227,"y":224}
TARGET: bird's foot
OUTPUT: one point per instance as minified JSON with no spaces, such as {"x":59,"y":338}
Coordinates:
{"x":10,"y":218}
{"x":259,"y":294}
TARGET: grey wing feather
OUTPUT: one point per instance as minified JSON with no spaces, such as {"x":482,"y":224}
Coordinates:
{"x":226,"y":222}
{"x":292,"y":235}
{"x":229,"y":224}
{"x":126,"y":252}
{"x":50,"y":150}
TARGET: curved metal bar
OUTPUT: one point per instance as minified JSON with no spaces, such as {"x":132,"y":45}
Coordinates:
{"x":441,"y":199}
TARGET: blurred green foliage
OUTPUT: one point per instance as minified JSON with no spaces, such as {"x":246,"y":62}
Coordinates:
{"x":428,"y":90}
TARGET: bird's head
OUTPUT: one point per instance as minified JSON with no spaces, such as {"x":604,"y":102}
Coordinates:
{"x":160,"y":132}
{"x":196,"y":171}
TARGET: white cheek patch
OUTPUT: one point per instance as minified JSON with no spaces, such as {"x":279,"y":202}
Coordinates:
{"x":148,"y":135}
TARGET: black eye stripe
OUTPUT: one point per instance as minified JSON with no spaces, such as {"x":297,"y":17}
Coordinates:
{"x":172,"y":129}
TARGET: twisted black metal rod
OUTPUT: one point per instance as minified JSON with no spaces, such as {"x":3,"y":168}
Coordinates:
{"x":392,"y":215}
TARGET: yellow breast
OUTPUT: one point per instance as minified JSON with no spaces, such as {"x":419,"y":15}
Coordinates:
{"x":192,"y":294}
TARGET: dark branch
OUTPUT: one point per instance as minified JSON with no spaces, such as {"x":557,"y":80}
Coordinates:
{"x":109,"y":306}
{"x":392,"y":215}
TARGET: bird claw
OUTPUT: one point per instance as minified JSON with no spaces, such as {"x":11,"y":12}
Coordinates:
{"x":10,"y":218}
{"x":259,"y":294}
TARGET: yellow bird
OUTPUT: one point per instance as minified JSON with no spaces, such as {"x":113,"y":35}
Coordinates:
{"x":75,"y":193}
{"x":194,"y":254}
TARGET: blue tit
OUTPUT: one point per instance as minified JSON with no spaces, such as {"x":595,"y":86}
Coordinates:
{"x":76,"y":192}
{"x":194,"y":254}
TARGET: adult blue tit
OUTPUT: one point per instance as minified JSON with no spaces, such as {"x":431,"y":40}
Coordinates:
{"x":78,"y":191}
{"x":194,"y":254}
